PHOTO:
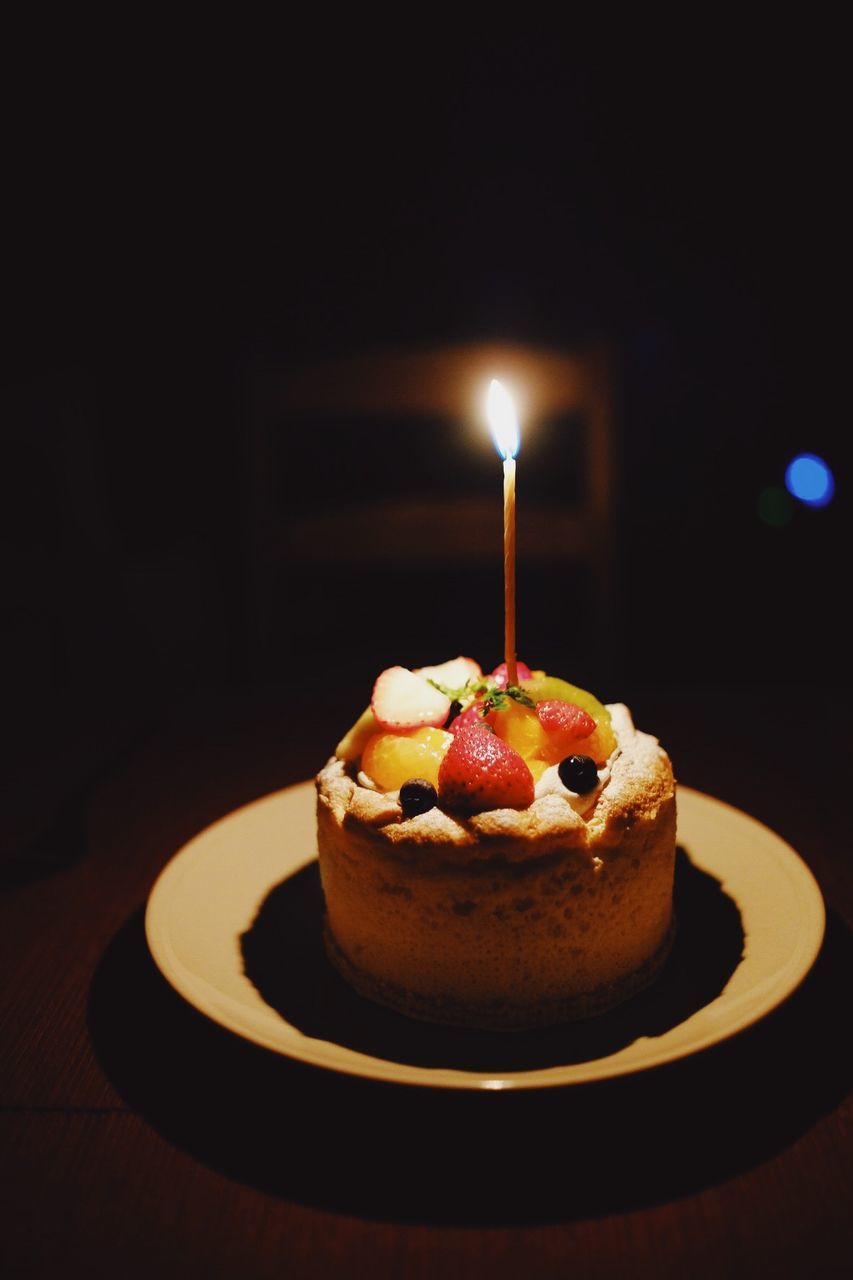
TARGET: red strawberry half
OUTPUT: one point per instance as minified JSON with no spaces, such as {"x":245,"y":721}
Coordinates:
{"x":479,"y":771}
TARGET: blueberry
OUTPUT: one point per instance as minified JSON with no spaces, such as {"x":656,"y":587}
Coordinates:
{"x":578,"y":773}
{"x":417,"y":796}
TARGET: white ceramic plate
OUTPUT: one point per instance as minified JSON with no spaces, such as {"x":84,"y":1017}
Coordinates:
{"x":210,"y":893}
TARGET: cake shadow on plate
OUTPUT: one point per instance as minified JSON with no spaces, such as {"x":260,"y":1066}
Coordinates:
{"x":285,"y":959}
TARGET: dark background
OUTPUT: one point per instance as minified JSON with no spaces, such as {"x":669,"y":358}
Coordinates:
{"x":184,"y":207}
{"x":181,"y":210}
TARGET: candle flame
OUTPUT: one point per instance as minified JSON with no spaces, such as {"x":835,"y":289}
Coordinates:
{"x":502,"y":420}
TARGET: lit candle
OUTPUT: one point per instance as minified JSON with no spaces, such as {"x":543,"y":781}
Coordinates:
{"x":504,"y":426}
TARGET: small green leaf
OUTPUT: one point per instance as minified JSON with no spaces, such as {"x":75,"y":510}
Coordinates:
{"x":495,"y":700}
{"x":443,"y":688}
{"x":463,"y":694}
{"x":518,"y":694}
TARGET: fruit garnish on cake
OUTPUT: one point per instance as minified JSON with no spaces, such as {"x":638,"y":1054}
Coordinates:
{"x":495,"y":854}
{"x":450,"y":736}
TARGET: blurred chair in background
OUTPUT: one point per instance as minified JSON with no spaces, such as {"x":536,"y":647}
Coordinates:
{"x":374,"y":503}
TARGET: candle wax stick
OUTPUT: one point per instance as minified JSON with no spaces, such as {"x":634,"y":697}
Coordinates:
{"x":509,"y":571}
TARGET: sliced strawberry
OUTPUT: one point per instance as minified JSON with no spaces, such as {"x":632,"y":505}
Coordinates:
{"x":565,"y":718}
{"x":402,"y":700}
{"x":454,"y":673}
{"x":472,"y":715}
{"x":480,"y":772}
{"x":499,"y":675}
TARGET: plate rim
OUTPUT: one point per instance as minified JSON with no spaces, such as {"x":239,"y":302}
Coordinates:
{"x":311,"y":1051}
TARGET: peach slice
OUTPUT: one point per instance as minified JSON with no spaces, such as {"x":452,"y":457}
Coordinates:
{"x":391,"y":759}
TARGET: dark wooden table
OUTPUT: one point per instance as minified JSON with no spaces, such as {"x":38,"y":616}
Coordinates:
{"x":139,"y":1139}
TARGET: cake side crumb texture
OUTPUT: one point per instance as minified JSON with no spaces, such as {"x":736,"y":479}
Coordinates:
{"x":508,"y":917}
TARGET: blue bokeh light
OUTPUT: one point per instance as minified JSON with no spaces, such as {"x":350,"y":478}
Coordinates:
{"x":809,"y":479}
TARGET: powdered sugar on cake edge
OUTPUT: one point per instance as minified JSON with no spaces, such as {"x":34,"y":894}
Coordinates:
{"x":640,"y":780}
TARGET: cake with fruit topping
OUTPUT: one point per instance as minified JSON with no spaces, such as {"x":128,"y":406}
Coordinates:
{"x":496,"y":855}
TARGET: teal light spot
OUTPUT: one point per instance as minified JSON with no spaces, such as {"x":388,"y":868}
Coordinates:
{"x":774,"y":507}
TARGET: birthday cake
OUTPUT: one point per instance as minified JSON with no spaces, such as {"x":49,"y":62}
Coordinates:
{"x":496,"y":855}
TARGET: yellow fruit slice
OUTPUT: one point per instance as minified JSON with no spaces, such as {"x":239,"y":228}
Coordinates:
{"x":598,"y":745}
{"x":537,"y":768}
{"x":355,"y":739}
{"x":520,"y":729}
{"x":391,"y":759}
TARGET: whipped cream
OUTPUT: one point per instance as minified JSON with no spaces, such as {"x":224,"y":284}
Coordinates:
{"x":551,"y":784}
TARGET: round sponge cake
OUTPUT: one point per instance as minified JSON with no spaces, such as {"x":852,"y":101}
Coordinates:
{"x":509,"y":918}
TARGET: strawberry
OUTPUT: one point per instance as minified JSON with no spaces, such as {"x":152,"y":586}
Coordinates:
{"x":499,"y":674}
{"x":565,"y":719}
{"x":472,"y":715}
{"x":402,"y":700}
{"x":455,"y":672}
{"x":480,"y":772}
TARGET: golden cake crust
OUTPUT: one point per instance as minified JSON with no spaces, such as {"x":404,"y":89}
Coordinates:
{"x":506,"y":918}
